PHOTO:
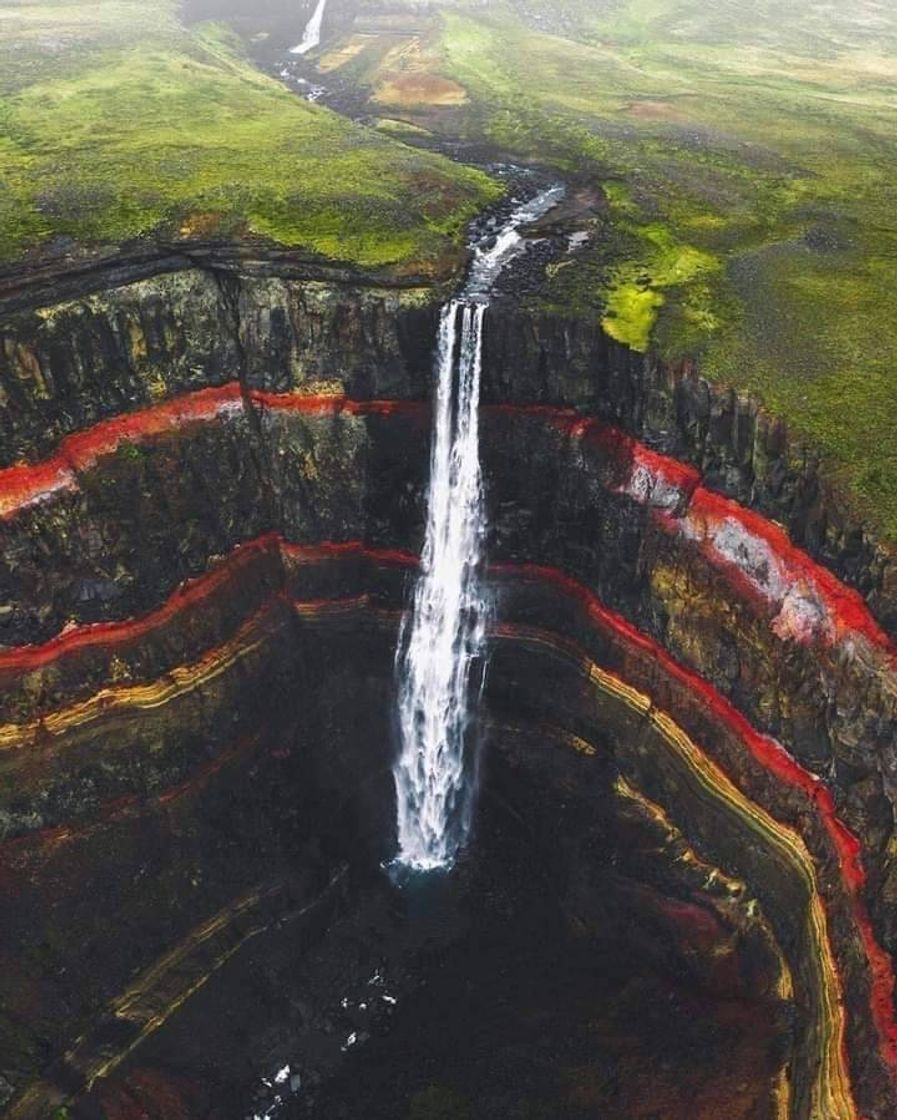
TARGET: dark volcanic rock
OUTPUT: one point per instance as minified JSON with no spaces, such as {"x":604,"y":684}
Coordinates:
{"x":226,"y":740}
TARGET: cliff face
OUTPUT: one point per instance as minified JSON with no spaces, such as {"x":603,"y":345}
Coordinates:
{"x":65,"y":366}
{"x":208,"y":479}
{"x":740,"y":450}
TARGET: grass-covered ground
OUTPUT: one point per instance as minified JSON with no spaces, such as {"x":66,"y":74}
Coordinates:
{"x":116,"y":121}
{"x":747,"y":152}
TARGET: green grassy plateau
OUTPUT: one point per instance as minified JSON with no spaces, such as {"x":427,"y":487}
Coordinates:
{"x":747,"y":153}
{"x":117,"y":122}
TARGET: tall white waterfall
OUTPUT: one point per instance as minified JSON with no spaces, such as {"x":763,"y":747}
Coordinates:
{"x":442,"y":638}
{"x":311,"y":37}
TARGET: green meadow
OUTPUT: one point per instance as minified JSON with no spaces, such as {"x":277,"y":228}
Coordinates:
{"x":117,"y":122}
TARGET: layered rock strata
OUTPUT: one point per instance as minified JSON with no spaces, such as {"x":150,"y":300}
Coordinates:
{"x":149,"y":328}
{"x":168,"y":570}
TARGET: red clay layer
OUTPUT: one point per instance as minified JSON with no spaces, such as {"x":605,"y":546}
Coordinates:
{"x":766,"y":751}
{"x":657,"y":480}
{"x":23,"y":485}
{"x":645,"y":475}
{"x":191,"y":593}
{"x":845,"y":607}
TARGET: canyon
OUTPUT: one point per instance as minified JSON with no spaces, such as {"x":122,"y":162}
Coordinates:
{"x":448,"y":597}
{"x":212,"y":492}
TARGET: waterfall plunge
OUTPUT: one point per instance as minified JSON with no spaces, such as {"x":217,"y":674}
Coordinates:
{"x":311,"y":37}
{"x":443,"y":635}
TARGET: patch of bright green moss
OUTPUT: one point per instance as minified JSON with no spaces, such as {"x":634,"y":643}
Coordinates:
{"x":399,"y":128}
{"x":631,"y":310}
{"x":634,"y":293}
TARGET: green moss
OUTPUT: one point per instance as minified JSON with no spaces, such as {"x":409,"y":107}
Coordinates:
{"x":173,"y":132}
{"x":633,"y":294}
{"x":130,"y":452}
{"x":631,"y":309}
{"x":400,"y":128}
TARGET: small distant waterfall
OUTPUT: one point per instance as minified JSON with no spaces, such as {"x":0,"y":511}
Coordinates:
{"x":311,"y":37}
{"x":443,"y":634}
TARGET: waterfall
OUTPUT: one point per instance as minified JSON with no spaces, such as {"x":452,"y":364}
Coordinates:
{"x":442,"y":638}
{"x":311,"y":37}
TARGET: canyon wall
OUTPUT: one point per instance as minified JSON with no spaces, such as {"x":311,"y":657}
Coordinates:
{"x":66,"y":365}
{"x":203,"y":474}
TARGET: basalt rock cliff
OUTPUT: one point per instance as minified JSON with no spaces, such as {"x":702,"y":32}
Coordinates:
{"x":211,"y":497}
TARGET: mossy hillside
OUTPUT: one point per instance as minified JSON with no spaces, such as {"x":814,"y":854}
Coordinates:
{"x":116,"y":129}
{"x":811,"y":30}
{"x":748,"y":162}
{"x":44,"y":39}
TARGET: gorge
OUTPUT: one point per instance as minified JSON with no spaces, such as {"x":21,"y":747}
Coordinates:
{"x":316,"y":575}
{"x":646,"y":633}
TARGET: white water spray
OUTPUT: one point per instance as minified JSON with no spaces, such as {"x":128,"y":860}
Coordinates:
{"x":441,"y":643}
{"x":311,"y":37}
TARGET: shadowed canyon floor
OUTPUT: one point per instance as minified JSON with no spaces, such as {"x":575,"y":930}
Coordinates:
{"x":474,"y":996}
